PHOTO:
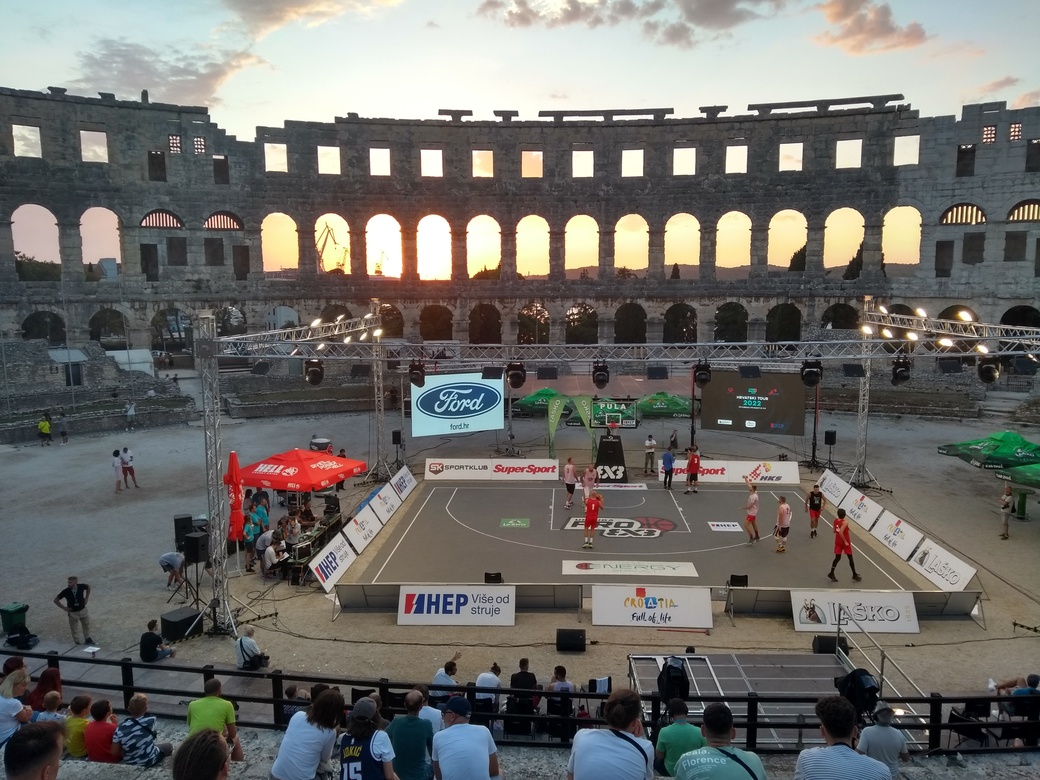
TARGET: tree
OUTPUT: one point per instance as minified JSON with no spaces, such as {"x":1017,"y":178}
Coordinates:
{"x":675,"y":270}
{"x":485,"y":325}
{"x":532,"y":325}
{"x":582,"y":325}
{"x":855,"y":266}
{"x":798,"y":260}
{"x":584,"y":273}
{"x":488,"y":273}
{"x":626,"y":273}
{"x":29,"y":269}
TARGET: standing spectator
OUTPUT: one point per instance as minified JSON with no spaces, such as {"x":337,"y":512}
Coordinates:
{"x":412,"y":739}
{"x":173,"y":564}
{"x":882,"y":742}
{"x":76,"y":726}
{"x":63,"y":428}
{"x":718,"y":759}
{"x":51,"y":705}
{"x":842,"y":546}
{"x":214,"y":712}
{"x":676,"y":739}
{"x":649,"y":448}
{"x":99,"y":733}
{"x":34,"y":752}
{"x":204,"y":755}
{"x":12,"y":712}
{"x":126,"y":460}
{"x":490,"y":679}
{"x":593,"y":504}
{"x":783,"y":524}
{"x":668,"y":464}
{"x":428,"y":713}
{"x":130,"y":410}
{"x":673,"y":441}
{"x":1006,"y":503}
{"x":620,"y":751}
{"x":50,"y":680}
{"x":570,"y":480}
{"x":250,"y":530}
{"x":309,"y":739}
{"x":365,"y":751}
{"x":443,"y":677}
{"x":751,"y":507}
{"x":153,"y":647}
{"x":136,"y":735}
{"x":117,"y":469}
{"x":43,"y":429}
{"x":248,"y":654}
{"x":260,"y":545}
{"x":838,"y":760}
{"x":461,"y":750}
{"x":693,"y":469}
{"x":814,"y":504}
{"x":342,"y":483}
{"x":75,"y":597}
{"x":589,"y":480}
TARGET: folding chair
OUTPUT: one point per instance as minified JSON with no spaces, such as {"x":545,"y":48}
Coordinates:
{"x":966,"y":728}
{"x":600,"y":685}
{"x":561,"y":725}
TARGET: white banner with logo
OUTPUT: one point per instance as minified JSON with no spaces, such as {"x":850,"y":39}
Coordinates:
{"x":776,"y":472}
{"x":444,"y":469}
{"x":631,"y":568}
{"x":385,"y":503}
{"x":456,"y":605}
{"x":403,"y":482}
{"x":670,"y":606}
{"x":862,"y":510}
{"x":833,"y":487}
{"x":363,"y":528}
{"x":334,"y":559}
{"x":498,"y":469}
{"x":877,"y":611}
{"x":897,"y":534}
{"x":940,"y":566}
{"x":457,"y":403}
{"x":525,"y":470}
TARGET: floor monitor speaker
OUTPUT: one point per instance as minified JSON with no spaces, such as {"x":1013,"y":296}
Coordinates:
{"x":181,"y":624}
{"x":826,"y":644}
{"x":570,"y":640}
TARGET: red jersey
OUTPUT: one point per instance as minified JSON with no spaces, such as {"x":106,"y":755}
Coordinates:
{"x":842,"y":538}
{"x":592,"y":507}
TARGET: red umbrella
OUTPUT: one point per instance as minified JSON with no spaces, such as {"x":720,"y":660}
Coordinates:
{"x":299,"y":470}
{"x":233,"y":480}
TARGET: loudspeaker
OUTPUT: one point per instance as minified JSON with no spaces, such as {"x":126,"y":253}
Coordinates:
{"x":830,"y":438}
{"x":395,"y":437}
{"x":491,"y":372}
{"x":826,"y":645}
{"x":196,"y":547}
{"x":177,"y":624}
{"x":657,"y":372}
{"x":570,"y":640}
{"x":493,"y":578}
{"x":182,"y":526}
{"x":548,"y":372}
{"x":360,"y":371}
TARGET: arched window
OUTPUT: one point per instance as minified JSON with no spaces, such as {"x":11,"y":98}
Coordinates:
{"x":963,"y":214}
{"x":223,"y":220}
{"x":1026,"y":211}
{"x":161,"y":218}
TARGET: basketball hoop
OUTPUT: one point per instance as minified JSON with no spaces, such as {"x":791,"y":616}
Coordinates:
{"x":613,"y":426}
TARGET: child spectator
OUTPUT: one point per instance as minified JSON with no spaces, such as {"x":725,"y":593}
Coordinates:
{"x":76,"y":725}
{"x":135,"y":736}
{"x":99,"y":732}
{"x":51,"y":705}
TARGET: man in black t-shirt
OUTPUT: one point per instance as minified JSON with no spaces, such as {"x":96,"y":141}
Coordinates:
{"x":153,"y":646}
{"x":75,"y":597}
{"x":814,"y":504}
{"x":523,"y":678}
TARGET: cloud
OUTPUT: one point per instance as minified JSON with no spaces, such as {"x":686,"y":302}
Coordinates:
{"x":867,"y":27}
{"x":432,"y":25}
{"x":186,"y":78}
{"x":262,"y":17}
{"x":1027,"y":99}
{"x":559,"y":96}
{"x":992,"y":90}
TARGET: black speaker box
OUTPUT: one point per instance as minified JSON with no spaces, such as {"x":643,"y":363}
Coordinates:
{"x":548,"y":372}
{"x":395,"y":438}
{"x":830,"y":438}
{"x":570,"y":640}
{"x":177,"y":624}
{"x":196,"y":547}
{"x":182,"y":526}
{"x":657,"y":372}
{"x":826,"y":645}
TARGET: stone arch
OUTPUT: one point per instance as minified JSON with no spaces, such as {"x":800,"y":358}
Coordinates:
{"x":788,"y":237}
{"x":733,"y":249}
{"x":842,"y":237}
{"x":581,"y":325}
{"x":1021,"y":316}
{"x":279,"y":245}
{"x":680,"y":324}
{"x":840,"y":316}
{"x":581,"y":245}
{"x":435,"y":323}
{"x":954,"y":312}
{"x":170,"y":329}
{"x":483,"y":245}
{"x":392,"y":321}
{"x":332,"y":243}
{"x":731,"y":322}
{"x":533,"y":323}
{"x":631,"y":246}
{"x":630,"y":324}
{"x":682,"y":246}
{"x":99,"y":233}
{"x":963,"y":214}
{"x":784,"y":323}
{"x":279,"y":317}
{"x":223,"y":220}
{"x":433,"y":247}
{"x":107,"y":326}
{"x":1025,"y":211}
{"x":162,"y":218}
{"x":532,"y":247}
{"x":333,"y":311}
{"x":45,"y":325}
{"x":383,"y":246}
{"x":901,"y":236}
{"x":34,"y":230}
{"x":230,"y":321}
{"x":485,"y":324}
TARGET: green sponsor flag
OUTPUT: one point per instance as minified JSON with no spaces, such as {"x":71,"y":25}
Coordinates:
{"x":583,"y":403}
{"x":555,"y":411}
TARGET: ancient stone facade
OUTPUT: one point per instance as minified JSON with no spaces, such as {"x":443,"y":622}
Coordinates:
{"x":190,"y":201}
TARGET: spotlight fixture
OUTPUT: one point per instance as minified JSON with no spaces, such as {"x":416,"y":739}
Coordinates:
{"x":316,"y":323}
{"x":900,"y":371}
{"x":989,"y":370}
{"x":260,"y":368}
{"x":701,"y":374}
{"x":417,"y":373}
{"x":812,"y":373}
{"x":964,"y":315}
{"x":313,"y":371}
{"x":516,"y":375}
{"x":600,"y":375}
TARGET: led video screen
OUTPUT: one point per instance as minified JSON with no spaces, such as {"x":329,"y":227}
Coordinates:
{"x":773,"y":403}
{"x":456,"y":404}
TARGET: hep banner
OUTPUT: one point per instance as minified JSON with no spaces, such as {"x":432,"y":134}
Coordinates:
{"x":456,"y":605}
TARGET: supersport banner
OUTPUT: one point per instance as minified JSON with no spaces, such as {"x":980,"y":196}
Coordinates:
{"x":764,"y":472}
{"x":497,"y":469}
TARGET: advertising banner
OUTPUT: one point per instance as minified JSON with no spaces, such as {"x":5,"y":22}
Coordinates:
{"x":833,"y":487}
{"x":631,"y":568}
{"x":533,"y":469}
{"x":943,"y":568}
{"x":385,"y":502}
{"x":733,"y":471}
{"x":897,"y":534}
{"x":403,"y":482}
{"x":672,"y":606}
{"x":334,"y":559}
{"x":499,"y":469}
{"x":362,"y":529}
{"x":877,"y":611}
{"x":447,"y":469}
{"x":457,"y":605}
{"x":457,"y":403}
{"x":862,"y":510}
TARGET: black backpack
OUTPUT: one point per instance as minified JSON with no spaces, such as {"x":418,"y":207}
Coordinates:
{"x":20,"y":639}
{"x":673,"y":682}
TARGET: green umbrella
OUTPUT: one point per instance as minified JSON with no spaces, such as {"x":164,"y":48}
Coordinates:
{"x":1027,"y":476}
{"x":537,"y":401}
{"x":996,"y":451}
{"x":663,"y":405}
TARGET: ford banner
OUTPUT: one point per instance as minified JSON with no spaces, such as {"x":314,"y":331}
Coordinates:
{"x":457,"y":403}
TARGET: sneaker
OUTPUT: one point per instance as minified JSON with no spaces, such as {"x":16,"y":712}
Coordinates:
{"x":991,"y":686}
{"x":695,"y":491}
{"x":685,"y":492}
{"x":780,"y":549}
{"x":750,"y":541}
{"x":89,"y":641}
{"x":856,"y":577}
{"x":755,"y":540}
{"x":831,"y":577}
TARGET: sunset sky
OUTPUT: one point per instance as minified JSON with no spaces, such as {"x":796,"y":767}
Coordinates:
{"x":260,"y":62}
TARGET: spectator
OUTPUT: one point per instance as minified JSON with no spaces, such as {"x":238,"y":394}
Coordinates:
{"x":12,"y":712}
{"x":173,"y":564}
{"x":490,"y":679}
{"x":294,"y":694}
{"x":99,"y":733}
{"x":248,"y":654}
{"x":76,"y":726}
{"x":342,"y":483}
{"x":34,"y":753}
{"x":649,"y":447}
{"x":43,"y":429}
{"x":525,"y":679}
{"x":63,"y":428}
{"x":443,"y":677}
{"x":250,"y":530}
{"x":50,"y":680}
{"x":13,"y":662}
{"x":882,"y":742}
{"x":214,"y":712}
{"x":309,"y":739}
{"x":837,"y":761}
{"x":262,"y":543}
{"x":412,"y":740}
{"x":677,"y":739}
{"x":430,"y":714}
{"x":1018,"y":686}
{"x":620,"y":752}
{"x":204,"y":755}
{"x":153,"y":646}
{"x":275,"y":558}
{"x":705,"y":763}
{"x":461,"y":750}
{"x":126,"y":462}
{"x":136,"y":735}
{"x":560,"y":683}
{"x":75,"y":597}
{"x":117,"y":469}
{"x":51,"y":705}
{"x":365,"y":749}
{"x":130,"y":410}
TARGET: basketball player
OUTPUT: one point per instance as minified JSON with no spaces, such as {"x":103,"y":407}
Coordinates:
{"x":814,"y":504}
{"x":751,"y":507}
{"x":570,"y":479}
{"x":592,"y":506}
{"x":783,"y":524}
{"x":589,"y":480}
{"x":842,"y":546}
{"x":693,"y":467}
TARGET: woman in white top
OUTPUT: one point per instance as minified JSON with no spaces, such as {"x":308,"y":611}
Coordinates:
{"x":620,"y":751}
{"x":12,"y":712}
{"x":310,"y":738}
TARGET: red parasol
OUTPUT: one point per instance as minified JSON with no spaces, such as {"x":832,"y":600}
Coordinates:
{"x":233,"y":480}
{"x":299,"y":470}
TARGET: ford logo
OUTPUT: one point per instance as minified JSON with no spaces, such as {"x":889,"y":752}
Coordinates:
{"x":458,"y":401}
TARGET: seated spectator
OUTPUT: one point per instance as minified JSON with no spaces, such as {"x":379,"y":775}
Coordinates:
{"x":1028,"y":689}
{"x":76,"y":725}
{"x":444,"y":677}
{"x":204,"y":755}
{"x":153,"y":646}
{"x":1014,"y":684}
{"x":490,"y":679}
{"x":719,"y":758}
{"x":560,"y":683}
{"x":882,"y":742}
{"x":136,"y":735}
{"x":412,"y":740}
{"x":50,"y":680}
{"x":51,"y":705}
{"x":294,"y":694}
{"x":526,"y":680}
{"x":12,"y":712}
{"x":99,"y":732}
{"x":430,"y":714}
{"x":10,"y":664}
{"x":837,"y":759}
{"x":676,"y":739}
{"x":214,"y":712}
{"x":363,"y":744}
{"x":309,"y":739}
{"x":275,"y":559}
{"x":248,"y":654}
{"x":34,"y":752}
{"x":620,"y":752}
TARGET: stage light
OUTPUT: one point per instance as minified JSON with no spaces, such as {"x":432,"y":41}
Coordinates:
{"x":340,"y":317}
{"x":900,"y":371}
{"x":812,"y":373}
{"x":600,"y":375}
{"x":882,"y":309}
{"x":321,"y":346}
{"x":920,"y":312}
{"x":416,"y":373}
{"x":377,"y":332}
{"x":912,"y":336}
{"x":316,"y":323}
{"x":363,"y":336}
{"x":313,"y":371}
{"x":701,"y":375}
{"x":347,"y":339}
{"x":516,"y":375}
{"x":989,"y":370}
{"x":945,"y":342}
{"x":983,"y":349}
{"x":867,"y":330}
{"x":964,"y":315}
{"x":886,"y":332}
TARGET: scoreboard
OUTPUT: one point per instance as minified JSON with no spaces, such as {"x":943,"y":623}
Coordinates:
{"x":772,"y":403}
